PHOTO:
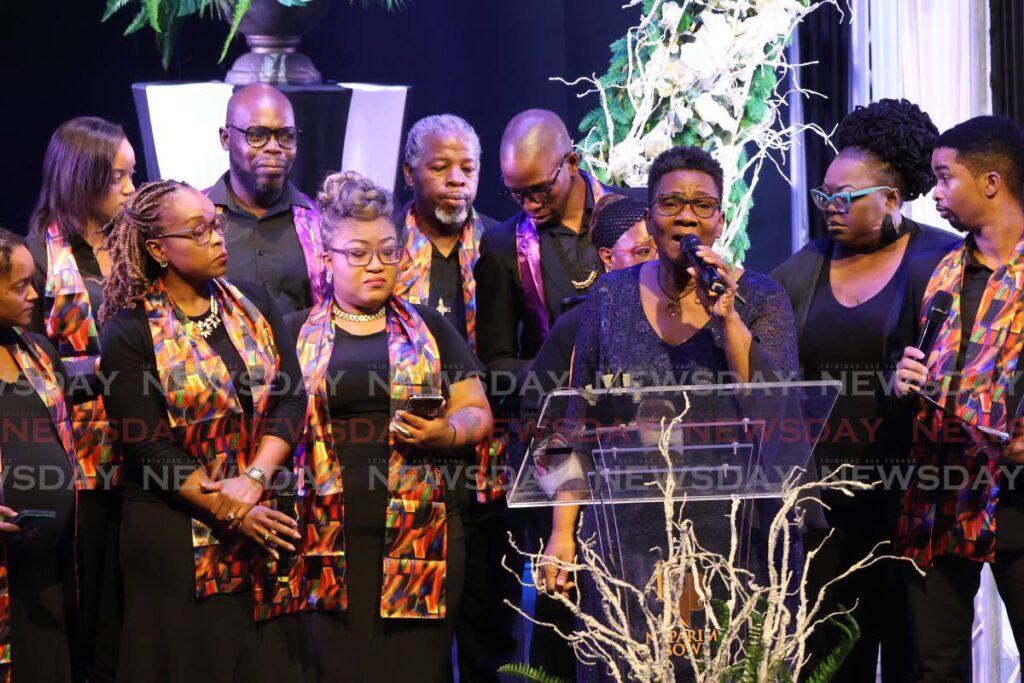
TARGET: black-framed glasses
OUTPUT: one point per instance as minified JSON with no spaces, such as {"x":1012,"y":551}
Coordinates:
{"x":841,"y":201}
{"x":538,"y":194}
{"x":201,"y":233}
{"x":361,"y":256}
{"x":672,"y":203}
{"x":259,"y":136}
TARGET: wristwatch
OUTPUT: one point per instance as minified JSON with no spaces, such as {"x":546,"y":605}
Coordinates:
{"x":258,"y":475}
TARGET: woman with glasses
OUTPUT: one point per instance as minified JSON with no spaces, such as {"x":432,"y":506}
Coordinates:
{"x":87,"y":176}
{"x":857,"y":295}
{"x":383,"y":547}
{"x":669,"y":330}
{"x":207,"y":395}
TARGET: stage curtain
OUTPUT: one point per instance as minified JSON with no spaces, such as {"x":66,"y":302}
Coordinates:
{"x":1007,"y":50}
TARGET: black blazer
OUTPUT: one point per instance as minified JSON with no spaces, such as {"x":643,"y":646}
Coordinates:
{"x":507,"y":338}
{"x":801,"y":272}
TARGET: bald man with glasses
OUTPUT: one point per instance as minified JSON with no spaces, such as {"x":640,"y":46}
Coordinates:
{"x":272,"y":230}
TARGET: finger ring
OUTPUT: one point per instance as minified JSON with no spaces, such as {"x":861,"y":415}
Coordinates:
{"x":231,"y":516}
{"x":266,"y":537}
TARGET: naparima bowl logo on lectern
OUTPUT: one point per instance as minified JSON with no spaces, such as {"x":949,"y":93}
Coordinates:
{"x":693,"y":632}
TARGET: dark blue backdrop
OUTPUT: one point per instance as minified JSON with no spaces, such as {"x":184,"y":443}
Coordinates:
{"x":482,"y":60}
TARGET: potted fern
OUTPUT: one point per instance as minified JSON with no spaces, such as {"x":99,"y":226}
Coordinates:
{"x":273,"y":30}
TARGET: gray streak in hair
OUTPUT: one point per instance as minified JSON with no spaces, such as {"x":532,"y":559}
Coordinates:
{"x":440,"y":124}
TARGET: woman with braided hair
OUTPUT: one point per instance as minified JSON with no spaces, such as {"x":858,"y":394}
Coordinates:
{"x":384,"y":549}
{"x":208,"y":402}
{"x":857,"y":293}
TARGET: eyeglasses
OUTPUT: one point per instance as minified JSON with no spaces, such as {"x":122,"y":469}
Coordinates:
{"x":202,"y":232}
{"x":841,"y":201}
{"x":359,"y":257}
{"x":537,"y":194}
{"x":641,"y":252}
{"x":672,"y":204}
{"x":259,"y":136}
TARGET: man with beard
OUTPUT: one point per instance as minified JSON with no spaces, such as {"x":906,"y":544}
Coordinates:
{"x":542,"y":255}
{"x":272,"y":229}
{"x":442,"y":246}
{"x":442,"y":228}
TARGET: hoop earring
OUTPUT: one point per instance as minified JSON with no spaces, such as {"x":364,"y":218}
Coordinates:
{"x":162,"y":264}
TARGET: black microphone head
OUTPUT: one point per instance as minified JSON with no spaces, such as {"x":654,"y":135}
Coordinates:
{"x":938,"y":309}
{"x":690,"y":242}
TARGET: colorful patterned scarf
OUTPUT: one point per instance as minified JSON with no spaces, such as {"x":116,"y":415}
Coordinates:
{"x":414,"y":286}
{"x":307,"y":228}
{"x":963,"y":523}
{"x":71,"y":327}
{"x":41,"y":374}
{"x":206,"y":415}
{"x":528,"y":254}
{"x":416,"y":535}
{"x":414,"y":278}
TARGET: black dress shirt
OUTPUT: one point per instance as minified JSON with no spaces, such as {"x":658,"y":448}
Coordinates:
{"x":266,"y":250}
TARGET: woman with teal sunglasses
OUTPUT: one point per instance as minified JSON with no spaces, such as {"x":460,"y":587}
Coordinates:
{"x":857,"y":294}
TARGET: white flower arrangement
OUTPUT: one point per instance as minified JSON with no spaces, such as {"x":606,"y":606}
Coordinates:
{"x":703,"y":73}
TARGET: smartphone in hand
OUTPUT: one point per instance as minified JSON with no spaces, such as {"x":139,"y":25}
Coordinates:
{"x":426,"y":406}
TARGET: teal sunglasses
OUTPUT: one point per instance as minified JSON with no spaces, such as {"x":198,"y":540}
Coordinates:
{"x":841,"y":201}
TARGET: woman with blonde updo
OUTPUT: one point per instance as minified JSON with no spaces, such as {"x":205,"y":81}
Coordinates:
{"x":208,"y":402}
{"x":383,"y":548}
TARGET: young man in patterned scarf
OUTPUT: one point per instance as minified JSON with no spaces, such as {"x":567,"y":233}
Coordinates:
{"x":950,"y":529}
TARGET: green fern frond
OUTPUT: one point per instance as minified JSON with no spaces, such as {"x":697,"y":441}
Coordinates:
{"x":137,"y":23}
{"x":529,"y":673}
{"x":755,"y":648}
{"x":152,"y":8}
{"x":827,"y":668}
{"x":241,"y":7}
{"x":113,"y":6}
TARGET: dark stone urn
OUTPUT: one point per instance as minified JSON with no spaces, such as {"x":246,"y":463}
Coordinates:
{"x":273,"y":32}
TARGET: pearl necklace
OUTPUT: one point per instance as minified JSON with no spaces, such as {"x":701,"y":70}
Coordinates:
{"x":340,"y":315}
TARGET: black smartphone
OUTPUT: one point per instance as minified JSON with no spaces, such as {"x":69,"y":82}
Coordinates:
{"x":426,"y":406}
{"x":29,"y":520}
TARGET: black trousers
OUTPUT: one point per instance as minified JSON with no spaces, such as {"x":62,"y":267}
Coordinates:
{"x":485,"y":629}
{"x":943,"y":608}
{"x":97,"y":632}
{"x":879,"y":592}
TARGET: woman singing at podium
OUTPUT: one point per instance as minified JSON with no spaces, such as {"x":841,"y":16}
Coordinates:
{"x":668,"y":325}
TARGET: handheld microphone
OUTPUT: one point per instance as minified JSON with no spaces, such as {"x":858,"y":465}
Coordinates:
{"x":938,"y":311}
{"x":706,"y":272}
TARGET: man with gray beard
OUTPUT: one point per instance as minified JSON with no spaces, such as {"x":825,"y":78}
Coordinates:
{"x":442,"y":229}
{"x":442,"y":246}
